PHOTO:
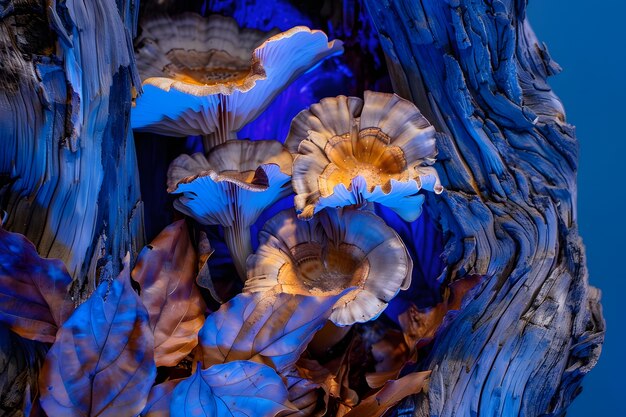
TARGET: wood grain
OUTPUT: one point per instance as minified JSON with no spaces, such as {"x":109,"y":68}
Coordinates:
{"x":534,"y":328}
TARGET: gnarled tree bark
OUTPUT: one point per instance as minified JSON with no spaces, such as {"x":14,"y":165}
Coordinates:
{"x":525,"y":337}
{"x":534,"y":328}
{"x":68,"y":174}
{"x":68,"y":166}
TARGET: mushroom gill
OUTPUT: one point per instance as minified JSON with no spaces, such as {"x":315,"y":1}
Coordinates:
{"x":206,"y":76}
{"x":230,"y":187}
{"x":350,"y":151}
{"x":337,"y":249}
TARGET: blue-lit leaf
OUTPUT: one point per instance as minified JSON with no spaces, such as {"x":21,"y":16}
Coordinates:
{"x":267,"y":327}
{"x":159,"y":400}
{"x":239,"y":388}
{"x":32,"y":289}
{"x":102,"y":361}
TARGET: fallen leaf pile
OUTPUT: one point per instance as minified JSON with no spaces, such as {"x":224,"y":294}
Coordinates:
{"x":156,"y":349}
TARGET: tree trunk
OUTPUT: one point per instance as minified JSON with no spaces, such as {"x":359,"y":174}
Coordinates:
{"x":68,"y":166}
{"x":68,"y":176}
{"x":534,"y":328}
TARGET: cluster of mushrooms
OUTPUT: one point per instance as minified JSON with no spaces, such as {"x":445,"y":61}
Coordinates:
{"x":206,"y":76}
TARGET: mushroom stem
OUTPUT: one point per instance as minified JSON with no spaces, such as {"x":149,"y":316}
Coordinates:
{"x":327,"y":337}
{"x":239,"y":244}
{"x":218,"y":137}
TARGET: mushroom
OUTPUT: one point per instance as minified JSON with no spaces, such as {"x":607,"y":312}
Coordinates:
{"x":230,"y":187}
{"x":335,"y":250}
{"x":203,"y":76}
{"x":351,"y":151}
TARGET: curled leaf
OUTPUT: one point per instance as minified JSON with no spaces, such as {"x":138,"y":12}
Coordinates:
{"x":239,"y":388}
{"x":102,"y":361}
{"x":267,"y":327}
{"x":205,"y":251}
{"x":391,"y":354}
{"x":390,"y":394}
{"x":310,"y":398}
{"x":166,"y":271}
{"x":32,"y":289}
{"x":420,"y":326}
{"x":334,"y":378}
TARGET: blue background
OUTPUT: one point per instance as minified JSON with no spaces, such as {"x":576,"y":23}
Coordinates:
{"x":588,"y":40}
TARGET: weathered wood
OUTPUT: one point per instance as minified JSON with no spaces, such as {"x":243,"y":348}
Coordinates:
{"x":534,"y":328}
{"x":68,"y":166}
{"x":68,"y":178}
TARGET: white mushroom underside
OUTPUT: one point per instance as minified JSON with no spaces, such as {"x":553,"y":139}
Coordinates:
{"x":174,"y":108}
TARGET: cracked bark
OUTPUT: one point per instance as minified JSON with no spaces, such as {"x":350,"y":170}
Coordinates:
{"x":524,"y":340}
{"x":68,"y":176}
{"x":68,"y":172}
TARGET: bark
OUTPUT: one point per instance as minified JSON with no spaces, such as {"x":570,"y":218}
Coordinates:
{"x":68,"y":168}
{"x":525,"y":338}
{"x":68,"y":172}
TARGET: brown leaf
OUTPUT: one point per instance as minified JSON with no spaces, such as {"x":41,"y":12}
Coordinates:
{"x":333,"y":377}
{"x":102,"y":361}
{"x":390,"y":394}
{"x":203,"y":279}
{"x":420,"y":326}
{"x":268,"y":327}
{"x":166,"y":271}
{"x":33,"y":290}
{"x":391,"y":354}
{"x":307,"y":396}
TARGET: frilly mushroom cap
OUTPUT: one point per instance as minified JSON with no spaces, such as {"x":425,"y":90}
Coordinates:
{"x":236,"y":182}
{"x":337,"y":249}
{"x":203,"y":74}
{"x":349,"y":151}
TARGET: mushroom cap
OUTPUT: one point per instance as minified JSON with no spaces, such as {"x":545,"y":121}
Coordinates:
{"x":337,"y":249}
{"x":348,"y":151}
{"x":204,"y":74}
{"x":235,"y":182}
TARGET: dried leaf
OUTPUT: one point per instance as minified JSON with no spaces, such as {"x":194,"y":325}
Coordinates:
{"x":102,"y":362}
{"x":391,"y":354}
{"x":205,"y":251}
{"x":308,"y":397}
{"x":239,"y":388}
{"x":339,"y":382}
{"x":159,"y":400}
{"x":420,"y":326}
{"x":333,"y":377}
{"x":166,"y":271}
{"x":267,"y":327}
{"x":32,"y":289}
{"x":390,"y":394}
